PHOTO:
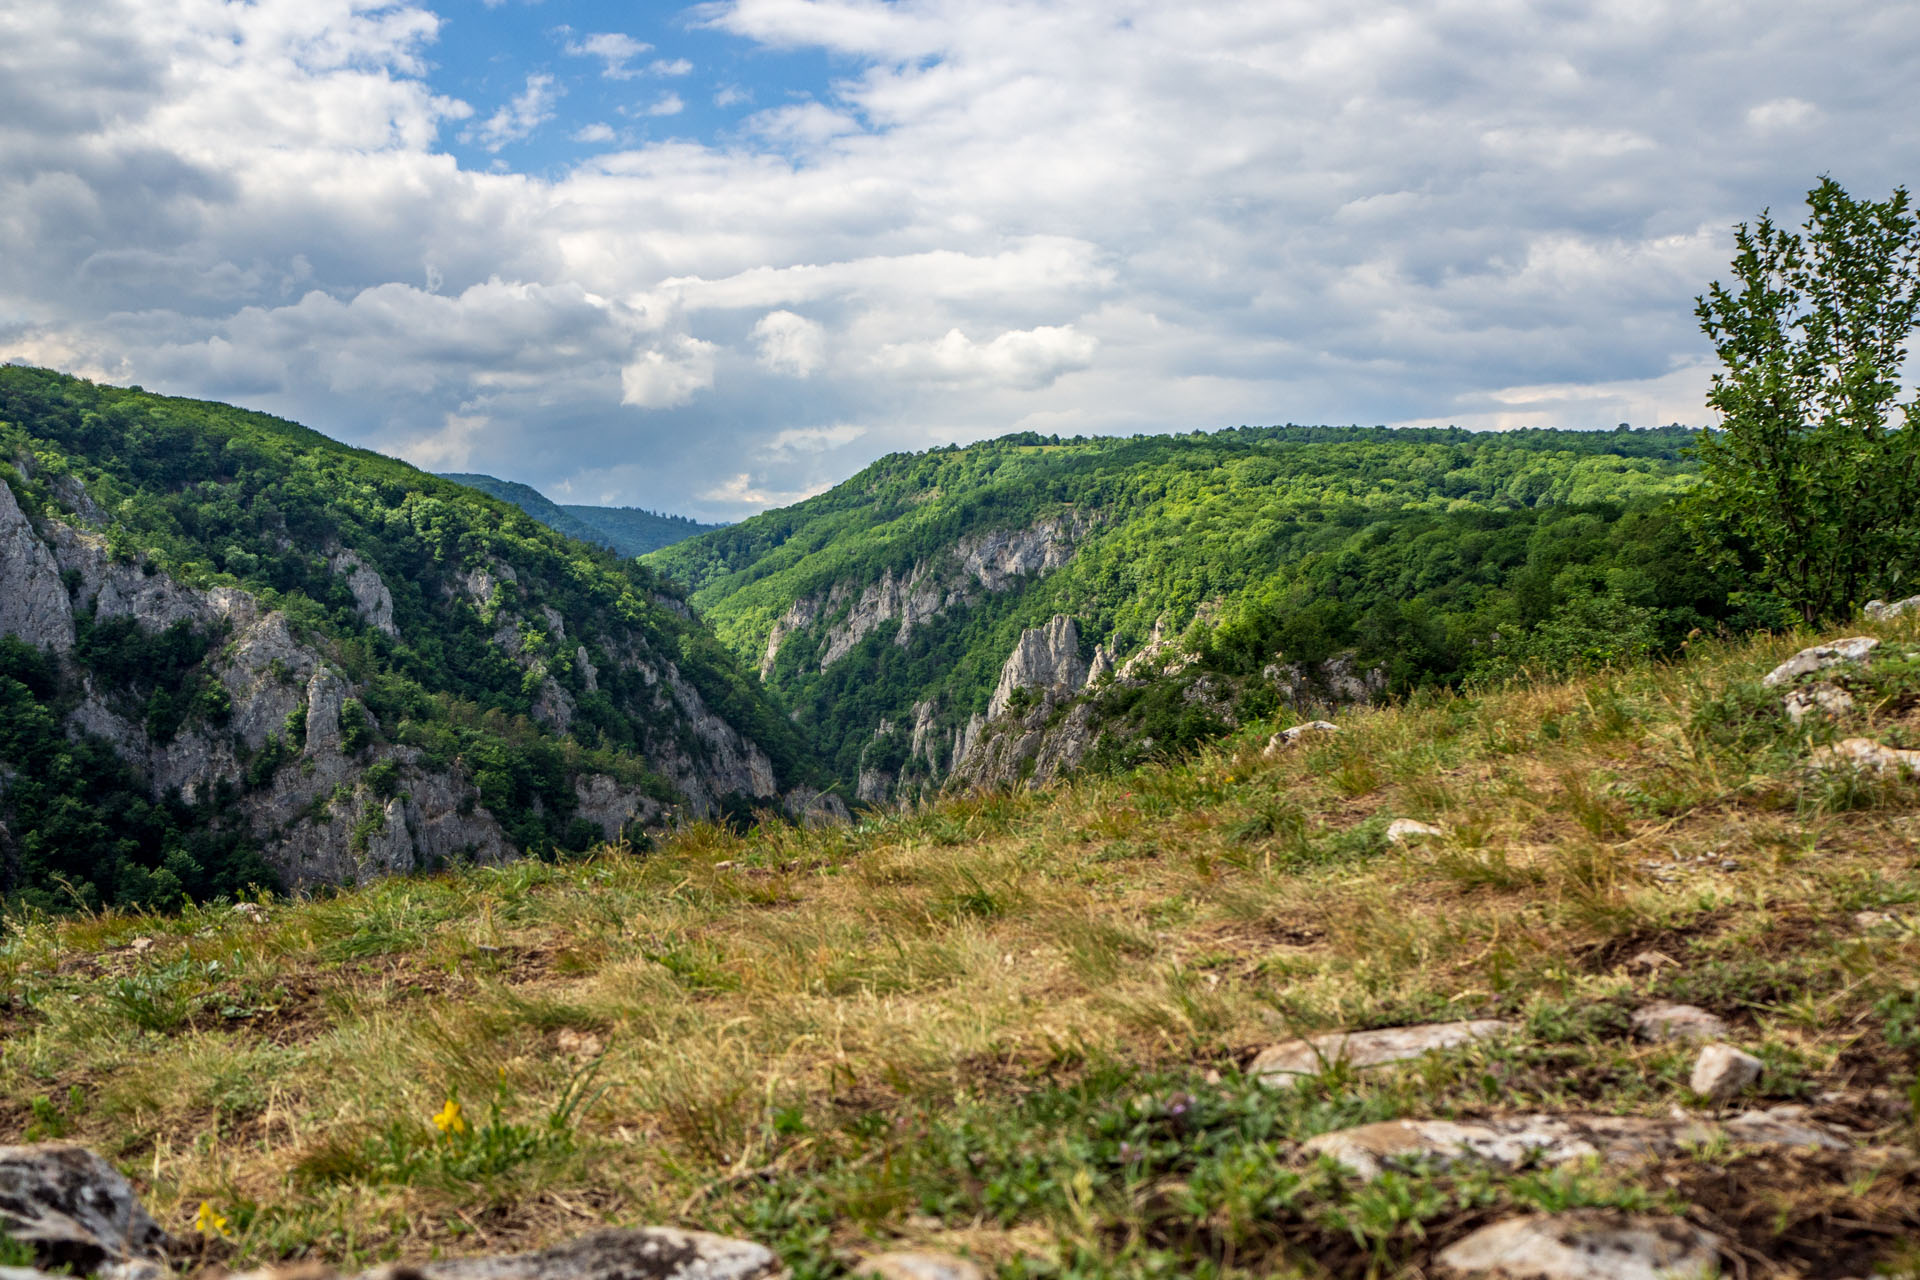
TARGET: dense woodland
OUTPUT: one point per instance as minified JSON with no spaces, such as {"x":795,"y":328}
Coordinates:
{"x":1436,"y":555}
{"x":631,"y":531}
{"x":214,"y":495}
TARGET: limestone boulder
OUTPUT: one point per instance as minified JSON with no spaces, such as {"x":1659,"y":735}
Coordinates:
{"x":1666,"y":1022}
{"x":1881,"y":611}
{"x":1721,"y":1071}
{"x":74,"y":1209}
{"x":1279,"y":1062}
{"x":1291,"y":737}
{"x":1510,"y":1142}
{"x":1819,"y":657}
{"x":1588,"y":1244}
{"x":1864,"y":755}
{"x":918,"y":1266}
{"x":642,"y":1253}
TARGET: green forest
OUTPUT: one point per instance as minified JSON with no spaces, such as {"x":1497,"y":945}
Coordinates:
{"x":1434,"y":555}
{"x":216,"y":496}
{"x":631,"y":531}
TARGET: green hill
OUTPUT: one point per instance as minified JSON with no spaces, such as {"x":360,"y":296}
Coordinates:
{"x":237,"y":652}
{"x":1035,"y":1028}
{"x":631,"y":531}
{"x":1290,"y":562}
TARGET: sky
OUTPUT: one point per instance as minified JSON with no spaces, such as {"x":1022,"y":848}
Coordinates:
{"x":709,"y":259}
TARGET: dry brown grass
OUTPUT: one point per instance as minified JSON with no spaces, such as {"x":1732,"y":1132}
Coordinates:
{"x":753,"y":997}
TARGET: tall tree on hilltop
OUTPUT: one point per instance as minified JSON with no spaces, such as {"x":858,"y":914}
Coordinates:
{"x":1807,"y":480}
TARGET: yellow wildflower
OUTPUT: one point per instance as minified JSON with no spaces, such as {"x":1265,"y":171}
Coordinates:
{"x":449,"y":1120}
{"x":209,"y":1221}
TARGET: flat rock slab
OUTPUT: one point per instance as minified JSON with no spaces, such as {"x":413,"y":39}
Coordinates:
{"x":1410,"y":830}
{"x":918,"y":1266}
{"x":1368,"y":1048}
{"x":1588,"y":1244}
{"x":1509,"y":1142}
{"x":1666,"y":1022}
{"x":73,"y":1208}
{"x":643,"y":1253}
{"x":1864,"y":755}
{"x":1819,"y":657}
{"x":1881,"y":611}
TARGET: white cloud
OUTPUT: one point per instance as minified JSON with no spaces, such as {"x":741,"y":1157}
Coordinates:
{"x":1027,"y":359}
{"x":659,"y":379}
{"x":1062,"y":215}
{"x":528,"y":110}
{"x":614,"y":49}
{"x":1780,"y":114}
{"x":669,"y":67}
{"x":790,"y":343}
{"x":668,"y":104}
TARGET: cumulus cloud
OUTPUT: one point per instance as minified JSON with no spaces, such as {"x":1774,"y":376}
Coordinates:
{"x":1057,"y":215}
{"x":663,"y":379}
{"x":790,"y":343}
{"x":1027,"y":359}
{"x":667,"y":104}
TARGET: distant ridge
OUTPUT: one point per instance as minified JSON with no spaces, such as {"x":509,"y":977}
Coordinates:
{"x":631,"y":531}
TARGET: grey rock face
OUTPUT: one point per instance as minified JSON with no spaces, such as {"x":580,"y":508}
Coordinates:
{"x":612,"y":807}
{"x":1046,"y":660}
{"x":74,"y":1208}
{"x":1368,"y":1048}
{"x":1819,"y":657}
{"x":371,"y":599}
{"x":33,"y":600}
{"x":1585,"y":1244}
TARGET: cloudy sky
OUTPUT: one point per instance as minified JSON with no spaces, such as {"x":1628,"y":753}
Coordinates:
{"x":713,"y":258}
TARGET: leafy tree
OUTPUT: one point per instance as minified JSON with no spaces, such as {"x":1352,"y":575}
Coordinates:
{"x":1807,"y":481}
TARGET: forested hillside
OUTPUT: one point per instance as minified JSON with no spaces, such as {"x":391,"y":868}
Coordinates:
{"x":233,"y":651}
{"x":884,"y":610}
{"x":632,"y":531}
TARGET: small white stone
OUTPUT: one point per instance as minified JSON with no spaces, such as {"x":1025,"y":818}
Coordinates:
{"x":1652,"y":961}
{"x":918,"y":1266}
{"x":141,"y":945}
{"x":1866,"y":756}
{"x":1677,"y":1022}
{"x":1721,"y":1071}
{"x":1289,"y":737}
{"x":1410,"y":830}
{"x":1827,"y":699}
{"x":1368,"y":1048}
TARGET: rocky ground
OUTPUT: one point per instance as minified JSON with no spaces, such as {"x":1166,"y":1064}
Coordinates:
{"x":1618,"y":977}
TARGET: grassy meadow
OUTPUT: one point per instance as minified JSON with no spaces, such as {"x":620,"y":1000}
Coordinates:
{"x":1015,"y":1026}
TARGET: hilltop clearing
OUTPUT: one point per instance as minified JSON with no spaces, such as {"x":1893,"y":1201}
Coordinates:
{"x":1289,"y":566}
{"x":1093,"y":1030}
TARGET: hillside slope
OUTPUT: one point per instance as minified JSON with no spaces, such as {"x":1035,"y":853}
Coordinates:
{"x":886,"y":611}
{"x":631,"y":531}
{"x":1057,"y":1030}
{"x":236,"y":651}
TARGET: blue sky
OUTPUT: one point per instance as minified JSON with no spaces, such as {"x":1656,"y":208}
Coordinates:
{"x":726,"y":270}
{"x":621,"y":75}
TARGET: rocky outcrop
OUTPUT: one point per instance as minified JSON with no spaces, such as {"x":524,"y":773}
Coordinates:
{"x":33,"y":600}
{"x":613,"y":807}
{"x":990,"y":562}
{"x":1045,"y":663}
{"x":372,"y":600}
